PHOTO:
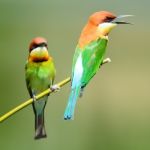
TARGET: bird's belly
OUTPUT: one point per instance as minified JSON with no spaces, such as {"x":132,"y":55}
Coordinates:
{"x":39,"y":84}
{"x":40,"y":81}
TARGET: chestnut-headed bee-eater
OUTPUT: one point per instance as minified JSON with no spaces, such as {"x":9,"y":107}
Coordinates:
{"x":89,"y":54}
{"x":40,"y":73}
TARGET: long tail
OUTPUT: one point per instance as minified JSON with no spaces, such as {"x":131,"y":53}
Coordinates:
{"x":39,"y":126}
{"x":38,"y":108}
{"x":69,"y":112}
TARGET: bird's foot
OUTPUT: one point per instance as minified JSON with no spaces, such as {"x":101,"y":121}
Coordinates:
{"x":81,"y":92}
{"x":107,"y":60}
{"x":34,"y":98}
{"x":55,"y":88}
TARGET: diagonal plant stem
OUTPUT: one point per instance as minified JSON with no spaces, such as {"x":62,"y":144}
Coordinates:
{"x":48,"y":91}
{"x":28,"y":102}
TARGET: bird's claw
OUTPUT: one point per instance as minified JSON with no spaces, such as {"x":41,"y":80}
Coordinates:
{"x":107,"y":60}
{"x":34,"y":98}
{"x":55,"y":88}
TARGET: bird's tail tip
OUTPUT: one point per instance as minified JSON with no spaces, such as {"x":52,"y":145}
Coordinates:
{"x":40,"y":133}
{"x":40,"y":127}
{"x":37,"y":137}
{"x":69,"y":112}
{"x":67,"y":117}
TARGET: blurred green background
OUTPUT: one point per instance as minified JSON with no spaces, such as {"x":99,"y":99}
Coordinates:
{"x":114,"y":113}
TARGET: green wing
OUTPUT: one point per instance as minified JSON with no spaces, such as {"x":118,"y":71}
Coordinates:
{"x":92,"y":57}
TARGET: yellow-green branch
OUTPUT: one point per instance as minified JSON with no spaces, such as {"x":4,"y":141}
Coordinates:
{"x":28,"y":102}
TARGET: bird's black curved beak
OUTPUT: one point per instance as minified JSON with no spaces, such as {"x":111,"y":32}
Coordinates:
{"x":118,"y":21}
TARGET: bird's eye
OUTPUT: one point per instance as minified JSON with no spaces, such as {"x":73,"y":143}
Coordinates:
{"x":46,"y":45}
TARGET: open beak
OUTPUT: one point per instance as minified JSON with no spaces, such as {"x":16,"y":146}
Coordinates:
{"x":118,"y":21}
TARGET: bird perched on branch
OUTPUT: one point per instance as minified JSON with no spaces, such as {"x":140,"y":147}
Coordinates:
{"x":89,"y":54}
{"x":40,"y":73}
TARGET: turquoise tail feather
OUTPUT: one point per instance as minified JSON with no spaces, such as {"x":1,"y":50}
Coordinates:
{"x":69,"y":112}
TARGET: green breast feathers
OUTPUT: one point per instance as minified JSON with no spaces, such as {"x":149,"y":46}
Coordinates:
{"x":39,"y":75}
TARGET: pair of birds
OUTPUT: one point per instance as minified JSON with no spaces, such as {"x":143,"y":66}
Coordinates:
{"x":88,"y":58}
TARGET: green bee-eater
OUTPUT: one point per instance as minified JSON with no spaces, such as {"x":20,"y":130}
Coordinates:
{"x":40,"y":74}
{"x":89,"y":54}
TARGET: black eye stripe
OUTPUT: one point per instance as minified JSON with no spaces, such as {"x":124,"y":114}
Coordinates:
{"x":42,"y":45}
{"x":108,"y":19}
{"x":38,"y":45}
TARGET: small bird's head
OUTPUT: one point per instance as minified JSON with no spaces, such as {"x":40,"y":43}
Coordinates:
{"x":101,"y":17}
{"x":106,"y":21}
{"x":37,"y":42}
{"x":38,"y":50}
{"x":99,"y":26}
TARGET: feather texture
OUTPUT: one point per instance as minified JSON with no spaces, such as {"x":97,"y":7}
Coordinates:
{"x":86,"y":63}
{"x":39,"y":77}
